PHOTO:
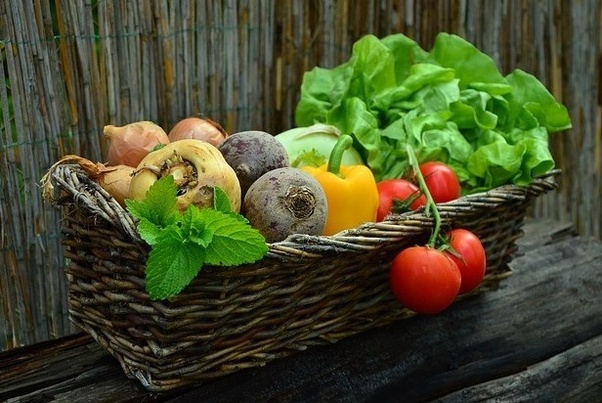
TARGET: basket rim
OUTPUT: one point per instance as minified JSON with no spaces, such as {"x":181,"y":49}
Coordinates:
{"x":84,"y":191}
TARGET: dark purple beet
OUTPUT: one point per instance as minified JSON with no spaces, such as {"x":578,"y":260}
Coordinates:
{"x":286,"y":201}
{"x":253,"y":153}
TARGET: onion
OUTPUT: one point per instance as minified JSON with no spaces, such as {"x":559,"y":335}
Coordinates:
{"x":129,"y":144}
{"x":114,"y":179}
{"x":199,"y":129}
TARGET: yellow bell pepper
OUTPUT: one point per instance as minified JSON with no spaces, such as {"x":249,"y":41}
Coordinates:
{"x":351,"y":191}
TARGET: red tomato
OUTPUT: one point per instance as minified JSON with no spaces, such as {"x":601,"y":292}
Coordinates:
{"x":424,"y":279}
{"x":472,"y":260}
{"x":402,"y":190}
{"x":441,"y":181}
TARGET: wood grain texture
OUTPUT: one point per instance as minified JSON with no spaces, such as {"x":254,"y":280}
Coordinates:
{"x":537,"y":338}
{"x":69,"y":68}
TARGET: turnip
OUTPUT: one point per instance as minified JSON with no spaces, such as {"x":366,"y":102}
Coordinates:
{"x":197,"y":167}
{"x":286,"y":201}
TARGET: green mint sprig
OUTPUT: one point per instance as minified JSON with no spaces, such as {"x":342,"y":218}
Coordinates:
{"x":181,"y":243}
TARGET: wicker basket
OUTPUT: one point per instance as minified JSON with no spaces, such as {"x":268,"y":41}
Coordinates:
{"x":308,"y":290}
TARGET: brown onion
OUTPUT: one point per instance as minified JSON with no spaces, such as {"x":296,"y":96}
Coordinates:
{"x":114,"y":179}
{"x":129,"y":144}
{"x":200,"y":129}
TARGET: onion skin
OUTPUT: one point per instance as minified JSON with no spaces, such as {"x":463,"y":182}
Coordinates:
{"x":200,"y":129}
{"x":116,"y":180}
{"x":129,"y":144}
{"x":206,"y":160}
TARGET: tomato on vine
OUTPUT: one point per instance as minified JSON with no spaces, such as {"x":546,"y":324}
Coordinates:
{"x":397,"y":196}
{"x":424,"y":280}
{"x":470,"y":257}
{"x":441,"y":181}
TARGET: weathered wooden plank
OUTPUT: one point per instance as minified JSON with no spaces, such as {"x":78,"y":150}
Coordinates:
{"x":543,"y":232}
{"x":69,"y":369}
{"x":48,"y":363}
{"x":571,"y":376}
{"x":100,"y":383}
{"x":522,"y":325}
{"x":537,"y":336}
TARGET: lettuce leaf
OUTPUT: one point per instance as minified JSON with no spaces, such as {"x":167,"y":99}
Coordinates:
{"x":450,"y":104}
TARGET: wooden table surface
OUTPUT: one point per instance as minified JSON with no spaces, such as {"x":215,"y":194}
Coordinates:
{"x":537,"y":338}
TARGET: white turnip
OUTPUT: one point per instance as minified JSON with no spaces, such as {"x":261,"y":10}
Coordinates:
{"x":197,"y":167}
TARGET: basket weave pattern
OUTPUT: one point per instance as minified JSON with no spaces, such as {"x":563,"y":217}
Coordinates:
{"x":308,"y":290}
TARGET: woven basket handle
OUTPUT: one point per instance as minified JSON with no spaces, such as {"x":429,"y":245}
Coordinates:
{"x":68,"y":184}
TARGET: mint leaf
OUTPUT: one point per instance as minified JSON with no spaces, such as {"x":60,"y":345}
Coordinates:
{"x":193,"y":227}
{"x":181,"y":243}
{"x":234,"y":240}
{"x":148,"y":231}
{"x":221,"y":202}
{"x":159,"y":204}
{"x":172,"y":264}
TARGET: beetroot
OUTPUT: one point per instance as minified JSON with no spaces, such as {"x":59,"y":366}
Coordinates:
{"x":286,"y":201}
{"x":252,"y":154}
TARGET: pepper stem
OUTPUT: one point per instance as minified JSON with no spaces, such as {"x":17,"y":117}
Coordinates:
{"x":431,"y":206}
{"x":336,"y":155}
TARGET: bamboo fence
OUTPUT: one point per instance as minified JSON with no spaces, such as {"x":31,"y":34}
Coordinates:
{"x":69,"y":68}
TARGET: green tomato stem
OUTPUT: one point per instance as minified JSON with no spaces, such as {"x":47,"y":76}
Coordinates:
{"x":431,"y":206}
{"x":336,"y":155}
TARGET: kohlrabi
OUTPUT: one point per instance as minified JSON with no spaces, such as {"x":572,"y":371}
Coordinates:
{"x":311,"y":145}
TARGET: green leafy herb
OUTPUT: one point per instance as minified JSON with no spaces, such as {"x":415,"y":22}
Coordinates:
{"x":220,"y":200}
{"x":181,"y":243}
{"x":450,"y":104}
